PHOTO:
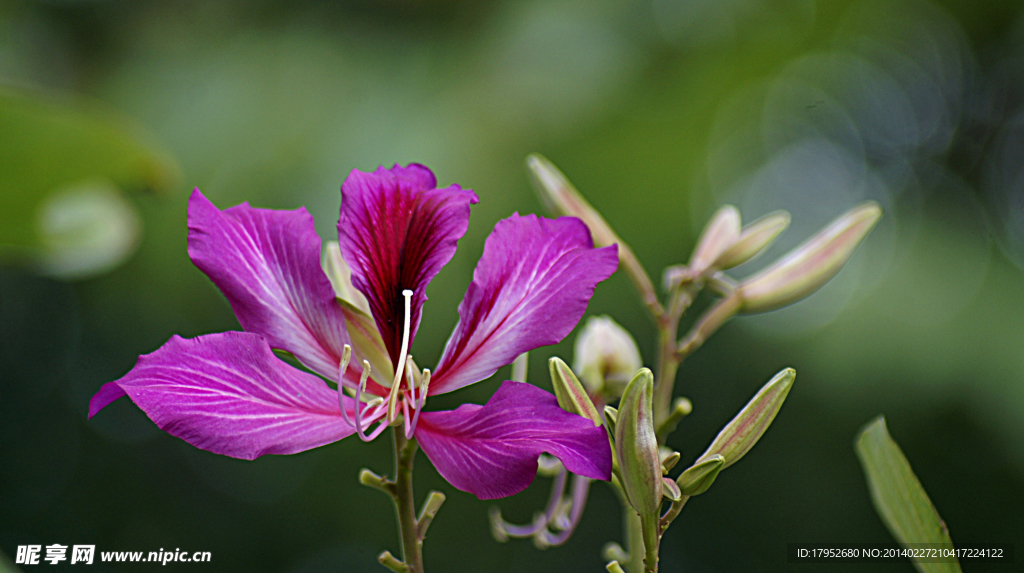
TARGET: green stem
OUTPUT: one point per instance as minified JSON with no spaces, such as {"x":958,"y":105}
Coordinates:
{"x":634,"y":540}
{"x":652,"y":540}
{"x":672,"y":513}
{"x":666,"y":369}
{"x":412,"y":544}
{"x":669,"y":356}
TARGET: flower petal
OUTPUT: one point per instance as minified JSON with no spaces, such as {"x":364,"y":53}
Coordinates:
{"x":228,"y":394}
{"x":491,"y":451}
{"x":396,"y":231}
{"x":267,"y":264}
{"x":529,"y":289}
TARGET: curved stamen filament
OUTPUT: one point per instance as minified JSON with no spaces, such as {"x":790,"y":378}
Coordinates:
{"x":562,"y":514}
{"x":410,"y":428}
{"x":580,"y":488}
{"x":503,"y":529}
{"x":376,"y":405}
{"x":400,"y":367}
{"x":346,"y":356}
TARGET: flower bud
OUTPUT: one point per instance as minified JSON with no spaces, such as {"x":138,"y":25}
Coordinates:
{"x":809,"y":266}
{"x":670,"y":489}
{"x":699,"y":477}
{"x":572,"y":397}
{"x":561,"y":198}
{"x":753,"y":240}
{"x":637,"y":446}
{"x":606,"y":356}
{"x":740,"y":434}
{"x":721,"y":232}
{"x":669,"y":459}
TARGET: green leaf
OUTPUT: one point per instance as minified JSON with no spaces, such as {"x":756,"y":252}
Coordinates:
{"x":898,"y":496}
{"x":6,"y":565}
{"x":64,"y":168}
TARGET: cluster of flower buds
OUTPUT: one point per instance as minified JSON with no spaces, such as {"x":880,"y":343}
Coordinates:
{"x":724,"y":244}
{"x":789,"y":279}
{"x":606,"y":355}
{"x":642,"y":467}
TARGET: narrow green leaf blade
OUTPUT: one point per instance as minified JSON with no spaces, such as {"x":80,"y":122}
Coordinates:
{"x":898,"y":496}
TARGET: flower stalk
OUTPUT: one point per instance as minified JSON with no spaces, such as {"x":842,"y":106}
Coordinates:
{"x":405,"y":504}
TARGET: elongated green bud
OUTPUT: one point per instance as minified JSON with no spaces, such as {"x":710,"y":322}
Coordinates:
{"x":721,"y":233}
{"x":809,"y":266}
{"x":699,"y":477}
{"x":572,"y":396}
{"x":561,"y":198}
{"x":637,"y":446}
{"x":740,"y":434}
{"x":754,"y":239}
{"x":606,"y":356}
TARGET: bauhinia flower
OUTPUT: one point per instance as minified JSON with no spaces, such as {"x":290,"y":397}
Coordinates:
{"x":352,"y":319}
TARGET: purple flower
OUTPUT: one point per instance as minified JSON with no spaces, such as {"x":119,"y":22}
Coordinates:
{"x":228,"y":393}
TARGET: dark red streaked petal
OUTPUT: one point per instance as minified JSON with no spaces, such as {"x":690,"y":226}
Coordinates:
{"x":491,"y":451}
{"x":529,"y":289}
{"x":396,"y":231}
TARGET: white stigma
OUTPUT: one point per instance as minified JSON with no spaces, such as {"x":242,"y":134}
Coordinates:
{"x":402,"y":356}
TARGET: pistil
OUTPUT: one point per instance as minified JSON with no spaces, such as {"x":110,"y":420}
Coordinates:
{"x":402,"y":356}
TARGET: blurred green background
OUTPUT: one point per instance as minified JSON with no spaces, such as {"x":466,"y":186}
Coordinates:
{"x":658,"y":110}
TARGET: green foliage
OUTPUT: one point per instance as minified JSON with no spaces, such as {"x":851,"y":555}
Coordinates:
{"x":63,"y":168}
{"x":898,"y":496}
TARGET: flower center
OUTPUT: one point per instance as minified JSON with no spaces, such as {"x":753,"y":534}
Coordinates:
{"x":386,"y":409}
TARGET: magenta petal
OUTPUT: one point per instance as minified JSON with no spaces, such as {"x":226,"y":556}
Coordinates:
{"x":491,"y":451}
{"x":396,"y":231}
{"x":228,"y":394}
{"x":267,"y":264}
{"x":529,"y":289}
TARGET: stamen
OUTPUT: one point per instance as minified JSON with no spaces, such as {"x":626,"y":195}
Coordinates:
{"x":562,"y":514}
{"x":503,"y":529}
{"x":400,"y":367}
{"x":580,"y":489}
{"x":346,"y":356}
{"x":419,"y":403}
{"x":361,"y":411}
{"x":406,"y":419}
